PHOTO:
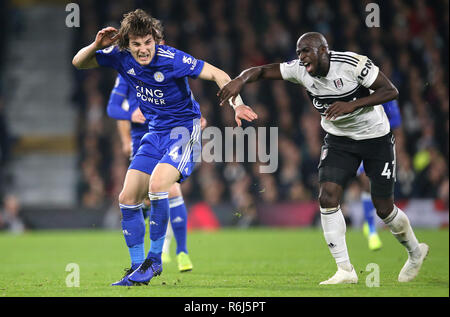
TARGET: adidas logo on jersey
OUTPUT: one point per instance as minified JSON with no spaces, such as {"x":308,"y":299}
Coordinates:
{"x":131,"y":72}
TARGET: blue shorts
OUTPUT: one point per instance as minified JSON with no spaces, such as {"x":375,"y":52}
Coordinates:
{"x":135,"y":143}
{"x":179,"y":147}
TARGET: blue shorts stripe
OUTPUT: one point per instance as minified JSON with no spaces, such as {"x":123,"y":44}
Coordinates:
{"x":186,"y":156}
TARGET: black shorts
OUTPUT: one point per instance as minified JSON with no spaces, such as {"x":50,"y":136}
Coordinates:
{"x":341,"y":157}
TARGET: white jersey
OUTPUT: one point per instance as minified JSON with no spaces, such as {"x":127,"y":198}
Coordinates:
{"x":349,"y":78}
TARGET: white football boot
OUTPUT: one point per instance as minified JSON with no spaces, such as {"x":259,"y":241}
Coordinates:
{"x":342,"y":277}
{"x":413,"y":265}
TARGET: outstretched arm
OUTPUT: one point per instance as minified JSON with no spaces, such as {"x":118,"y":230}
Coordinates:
{"x":232,"y":89}
{"x":85,"y":58}
{"x":242,"y":111}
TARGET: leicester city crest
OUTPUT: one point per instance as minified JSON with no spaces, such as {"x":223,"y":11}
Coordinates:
{"x":159,"y":77}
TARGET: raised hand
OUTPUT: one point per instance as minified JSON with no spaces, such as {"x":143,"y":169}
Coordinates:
{"x":244,"y":112}
{"x":203,"y":122}
{"x":337,"y":109}
{"x":137,"y":116}
{"x":106,"y":37}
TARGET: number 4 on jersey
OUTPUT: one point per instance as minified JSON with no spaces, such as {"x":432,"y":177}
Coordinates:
{"x":174,"y":153}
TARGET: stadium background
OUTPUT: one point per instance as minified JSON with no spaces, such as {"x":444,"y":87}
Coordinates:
{"x":61,"y":160}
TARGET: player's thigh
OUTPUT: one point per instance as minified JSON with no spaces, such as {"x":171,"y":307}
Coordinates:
{"x":134,"y":188}
{"x":337,"y":164}
{"x":182,"y":151}
{"x":164,"y":176}
{"x":380,"y":167}
{"x":330,"y":194}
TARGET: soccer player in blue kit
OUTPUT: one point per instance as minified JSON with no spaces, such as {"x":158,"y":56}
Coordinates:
{"x":168,"y":152}
{"x":132,"y":125}
{"x":395,"y":120}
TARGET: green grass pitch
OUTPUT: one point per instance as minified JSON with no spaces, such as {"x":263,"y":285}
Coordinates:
{"x":227,"y":263}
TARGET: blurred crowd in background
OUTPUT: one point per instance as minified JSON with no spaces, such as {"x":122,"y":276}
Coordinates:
{"x":410,"y":47}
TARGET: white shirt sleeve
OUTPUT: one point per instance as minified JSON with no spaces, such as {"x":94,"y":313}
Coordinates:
{"x":366,"y":72}
{"x":290,"y":71}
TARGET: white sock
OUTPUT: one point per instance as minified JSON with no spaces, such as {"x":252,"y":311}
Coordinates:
{"x":398,"y":223}
{"x":334,"y":228}
{"x":168,"y":239}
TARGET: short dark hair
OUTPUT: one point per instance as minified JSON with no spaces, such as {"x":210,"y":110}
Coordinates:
{"x":138,"y":23}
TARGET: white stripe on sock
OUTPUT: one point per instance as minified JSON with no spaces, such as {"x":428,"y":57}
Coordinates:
{"x":132,"y":207}
{"x":158,"y":196}
{"x":176,"y":201}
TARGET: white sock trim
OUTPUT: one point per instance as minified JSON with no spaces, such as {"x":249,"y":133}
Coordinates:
{"x":391,"y":216}
{"x":328,"y":211}
{"x":158,"y":195}
{"x":131,"y":207}
{"x":176,"y":201}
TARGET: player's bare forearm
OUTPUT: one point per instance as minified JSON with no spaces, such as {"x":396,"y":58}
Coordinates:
{"x":85,"y":58}
{"x":234,"y":87}
{"x":384,"y":91}
{"x":221,"y":78}
{"x":212,"y":73}
{"x":124,"y":128}
{"x":269,"y":71}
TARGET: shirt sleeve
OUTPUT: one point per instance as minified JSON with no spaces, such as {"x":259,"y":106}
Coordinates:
{"x":290,"y":71}
{"x":118,"y":106}
{"x":108,"y":57}
{"x":366,"y":71}
{"x":186,"y":65}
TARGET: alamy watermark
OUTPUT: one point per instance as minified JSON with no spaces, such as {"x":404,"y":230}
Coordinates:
{"x":250,"y":145}
{"x":73,"y":18}
{"x":73,"y":278}
{"x":373,"y":16}
{"x":373,"y":278}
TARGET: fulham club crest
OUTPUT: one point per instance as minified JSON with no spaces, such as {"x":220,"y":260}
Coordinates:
{"x":339,"y":83}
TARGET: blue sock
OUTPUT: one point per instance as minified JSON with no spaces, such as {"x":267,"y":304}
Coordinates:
{"x":178,"y":219}
{"x":133,"y":229}
{"x":368,"y":211}
{"x":159,"y":217}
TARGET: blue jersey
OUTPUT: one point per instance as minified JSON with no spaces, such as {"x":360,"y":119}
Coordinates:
{"x":122,"y":103}
{"x":161,"y":87}
{"x":393,"y":113}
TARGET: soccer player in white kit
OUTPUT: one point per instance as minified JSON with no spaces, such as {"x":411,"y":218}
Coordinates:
{"x":348,"y":91}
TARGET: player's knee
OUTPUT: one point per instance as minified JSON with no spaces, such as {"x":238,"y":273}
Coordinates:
{"x":383,"y":206}
{"x":129,"y":199}
{"x":328,"y":199}
{"x":158,"y":185}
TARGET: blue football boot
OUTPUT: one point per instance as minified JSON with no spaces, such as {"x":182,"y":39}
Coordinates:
{"x":125,"y":281}
{"x":145,"y":272}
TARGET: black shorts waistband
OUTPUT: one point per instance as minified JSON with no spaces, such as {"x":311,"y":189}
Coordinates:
{"x":344,"y":139}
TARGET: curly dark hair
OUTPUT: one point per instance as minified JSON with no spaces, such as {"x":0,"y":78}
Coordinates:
{"x":138,"y":23}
